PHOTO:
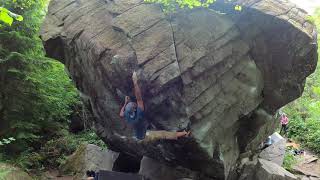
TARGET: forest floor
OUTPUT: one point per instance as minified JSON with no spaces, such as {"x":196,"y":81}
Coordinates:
{"x":55,"y":175}
{"x":308,"y":164}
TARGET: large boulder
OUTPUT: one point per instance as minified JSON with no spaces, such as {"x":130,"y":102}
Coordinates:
{"x":261,"y":169}
{"x":267,"y":170}
{"x":106,"y":175}
{"x":276,"y":151}
{"x":153,"y":170}
{"x":224,"y":74}
{"x":89,"y":157}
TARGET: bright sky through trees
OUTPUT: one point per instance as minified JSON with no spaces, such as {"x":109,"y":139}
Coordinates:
{"x":308,"y":5}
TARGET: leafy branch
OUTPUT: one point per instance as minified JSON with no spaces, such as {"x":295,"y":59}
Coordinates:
{"x":6,"y":141}
{"x":7,"y":16}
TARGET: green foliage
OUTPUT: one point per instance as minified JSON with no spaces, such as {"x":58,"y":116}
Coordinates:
{"x":289,"y":160}
{"x":36,"y":94}
{"x":7,"y":17}
{"x":304,"y":113}
{"x":4,"y":172}
{"x":14,"y":42}
{"x":22,"y":4}
{"x":238,"y":8}
{"x":310,"y":19}
{"x":28,"y":160}
{"x":172,"y":5}
{"x":54,"y":152}
{"x":6,"y":141}
{"x":32,"y":12}
{"x":56,"y":90}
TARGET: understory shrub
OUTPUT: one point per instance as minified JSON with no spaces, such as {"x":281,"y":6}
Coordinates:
{"x":54,"y":152}
{"x":289,"y":160}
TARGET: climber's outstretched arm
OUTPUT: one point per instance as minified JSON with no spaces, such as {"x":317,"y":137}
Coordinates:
{"x":137,"y":91}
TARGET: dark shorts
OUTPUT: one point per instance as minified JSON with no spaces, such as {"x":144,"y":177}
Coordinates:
{"x":140,"y":129}
{"x":139,"y":124}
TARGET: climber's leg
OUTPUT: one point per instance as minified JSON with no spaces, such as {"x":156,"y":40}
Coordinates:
{"x":156,"y":135}
{"x":140,"y":130}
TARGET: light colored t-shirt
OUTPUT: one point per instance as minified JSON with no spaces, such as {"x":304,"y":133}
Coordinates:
{"x":284,"y":120}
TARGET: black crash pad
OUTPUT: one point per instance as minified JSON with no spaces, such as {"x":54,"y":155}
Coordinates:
{"x":112,"y":175}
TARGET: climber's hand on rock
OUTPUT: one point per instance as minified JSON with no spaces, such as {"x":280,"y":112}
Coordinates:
{"x":134,"y":77}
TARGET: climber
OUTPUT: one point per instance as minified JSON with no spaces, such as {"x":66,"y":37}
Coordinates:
{"x":284,"y":123}
{"x":133,"y":112}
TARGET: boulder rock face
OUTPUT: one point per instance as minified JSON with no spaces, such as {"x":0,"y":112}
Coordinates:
{"x":266,"y":170}
{"x":225,"y":75}
{"x":89,"y":158}
{"x":261,"y":169}
{"x":118,"y":176}
{"x":153,"y":170}
{"x":276,"y":151}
